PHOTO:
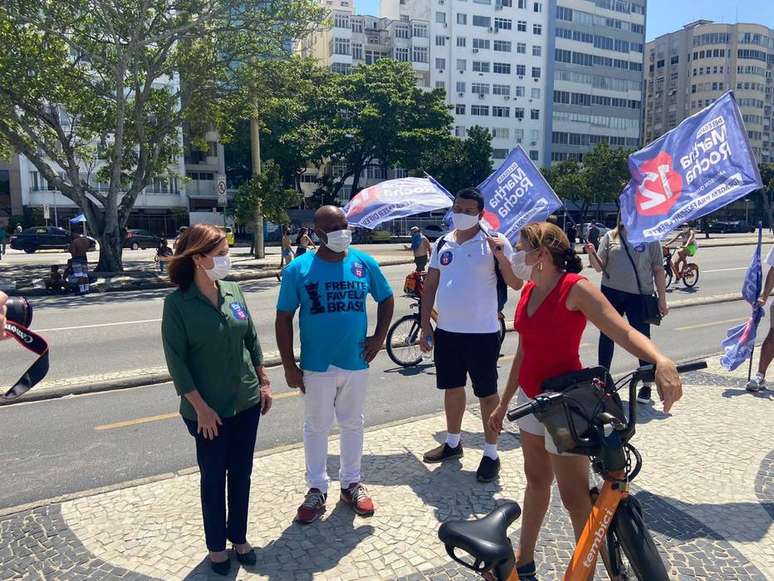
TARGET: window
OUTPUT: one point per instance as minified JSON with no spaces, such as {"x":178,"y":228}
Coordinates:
{"x":562,"y":56}
{"x":535,"y":93}
{"x":480,"y":43}
{"x":518,"y":134}
{"x":462,"y":65}
{"x":459,"y":109}
{"x":535,"y":72}
{"x":461,"y":41}
{"x":503,"y":24}
{"x":480,"y":67}
{"x":341,"y":68}
{"x":341,"y":46}
{"x":502,"y":45}
{"x":440,"y":17}
{"x":459,"y":131}
{"x":480,"y":88}
{"x":420,"y":54}
{"x":371,"y":56}
{"x":440,"y":64}
{"x":501,"y":68}
{"x":500,"y":132}
{"x":534,"y":154}
{"x":562,"y":97}
{"x":536,"y":50}
{"x":499,"y":153}
{"x":518,"y":113}
{"x":462,"y":18}
{"x":537,"y":29}
{"x":341,"y":21}
{"x":420,"y":30}
{"x":520,"y":90}
{"x":534,"y":135}
{"x":506,"y":3}
{"x":357,"y":52}
{"x":537,"y":7}
{"x":523,"y":4}
{"x":479,"y":110}
{"x":357,"y":25}
{"x":674,"y":60}
{"x":483,"y":21}
{"x":534,"y":114}
{"x":402,"y":31}
{"x":564,"y":13}
{"x":501,"y":112}
{"x":521,"y":26}
{"x":460,"y":85}
{"x":402,"y":55}
{"x":521,"y":70}
{"x":440,"y":40}
{"x":501,"y":89}
{"x":521,"y":47}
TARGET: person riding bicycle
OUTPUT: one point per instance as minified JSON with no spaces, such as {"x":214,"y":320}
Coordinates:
{"x":421,"y":248}
{"x":688,"y":247}
{"x":551,"y":316}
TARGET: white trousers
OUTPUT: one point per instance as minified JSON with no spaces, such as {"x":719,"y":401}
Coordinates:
{"x":340,"y":393}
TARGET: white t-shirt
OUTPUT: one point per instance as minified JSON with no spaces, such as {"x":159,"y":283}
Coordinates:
{"x":770,"y":257}
{"x":467,"y":290}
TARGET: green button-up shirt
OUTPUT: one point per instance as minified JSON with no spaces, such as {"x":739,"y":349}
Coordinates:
{"x":214,"y":350}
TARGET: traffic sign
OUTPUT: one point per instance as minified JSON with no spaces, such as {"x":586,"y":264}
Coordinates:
{"x":46,"y":212}
{"x":220,"y":188}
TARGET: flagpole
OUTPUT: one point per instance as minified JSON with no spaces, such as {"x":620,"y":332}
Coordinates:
{"x":749,"y":369}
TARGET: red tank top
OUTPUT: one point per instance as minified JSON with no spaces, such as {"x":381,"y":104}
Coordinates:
{"x":551,"y":337}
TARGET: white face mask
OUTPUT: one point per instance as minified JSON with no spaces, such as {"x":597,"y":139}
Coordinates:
{"x":464,"y":221}
{"x":520,"y":267}
{"x":221,"y":265}
{"x":339,"y":240}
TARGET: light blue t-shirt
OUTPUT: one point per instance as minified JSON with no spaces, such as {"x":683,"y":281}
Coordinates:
{"x":332,"y":298}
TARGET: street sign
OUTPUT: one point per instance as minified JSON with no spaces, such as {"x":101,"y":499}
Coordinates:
{"x":46,"y":212}
{"x":220,"y":188}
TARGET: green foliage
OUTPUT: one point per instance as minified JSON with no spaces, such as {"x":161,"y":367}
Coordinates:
{"x":267,"y":192}
{"x":459,"y":163}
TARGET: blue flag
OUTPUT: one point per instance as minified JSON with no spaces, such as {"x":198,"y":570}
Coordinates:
{"x":396,"y":199}
{"x":515,"y":195}
{"x":700,"y":166}
{"x":740,"y":340}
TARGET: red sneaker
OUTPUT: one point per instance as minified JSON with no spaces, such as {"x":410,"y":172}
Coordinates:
{"x":357,"y":497}
{"x":312,"y":508}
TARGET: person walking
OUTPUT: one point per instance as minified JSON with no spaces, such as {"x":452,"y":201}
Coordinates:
{"x":78,"y":278}
{"x":631,"y":272}
{"x":3,"y":236}
{"x":758,"y":383}
{"x":303,"y":242}
{"x":592,"y":236}
{"x":216,"y":364}
{"x":163,"y":254}
{"x":550,"y":319}
{"x":330,"y":288}
{"x":462,"y":283}
{"x":286,"y":251}
{"x":421,"y":248}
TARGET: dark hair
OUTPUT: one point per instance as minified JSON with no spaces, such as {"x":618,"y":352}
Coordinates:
{"x":300,"y":235}
{"x":199,"y":239}
{"x":552,"y":238}
{"x":471,"y":194}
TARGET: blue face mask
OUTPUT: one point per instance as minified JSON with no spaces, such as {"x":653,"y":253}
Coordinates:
{"x":416,"y":240}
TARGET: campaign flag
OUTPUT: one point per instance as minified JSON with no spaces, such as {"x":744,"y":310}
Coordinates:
{"x":515,"y":195}
{"x":396,"y":199}
{"x":740,"y":340}
{"x":696,"y":168}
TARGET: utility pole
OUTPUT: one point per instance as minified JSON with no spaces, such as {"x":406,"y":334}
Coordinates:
{"x":255,"y":150}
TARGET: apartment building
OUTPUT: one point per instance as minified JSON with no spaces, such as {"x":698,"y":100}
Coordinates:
{"x":689,"y":68}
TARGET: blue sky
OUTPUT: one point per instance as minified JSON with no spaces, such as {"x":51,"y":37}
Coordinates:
{"x":669,"y":15}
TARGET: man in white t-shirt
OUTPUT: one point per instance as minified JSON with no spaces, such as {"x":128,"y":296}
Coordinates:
{"x":758,"y":383}
{"x":466,"y":267}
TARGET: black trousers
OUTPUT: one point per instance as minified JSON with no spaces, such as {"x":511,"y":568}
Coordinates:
{"x":226,"y":462}
{"x":630,"y":305}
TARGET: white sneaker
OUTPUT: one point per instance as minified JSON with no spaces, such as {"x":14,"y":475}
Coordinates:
{"x":756,"y":384}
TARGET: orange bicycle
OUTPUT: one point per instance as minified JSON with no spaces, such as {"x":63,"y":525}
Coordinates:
{"x":615,"y":524}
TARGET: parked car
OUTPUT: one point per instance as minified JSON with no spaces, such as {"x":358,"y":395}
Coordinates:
{"x":45,"y":238}
{"x":433,"y":231}
{"x":584,"y":230}
{"x":730,"y":226}
{"x":137,"y":239}
{"x":229,"y":235}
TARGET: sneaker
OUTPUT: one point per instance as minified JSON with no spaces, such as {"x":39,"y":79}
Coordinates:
{"x":488,"y":469}
{"x":756,"y":384}
{"x":442,"y":453}
{"x":357,"y":497}
{"x":643,"y":396}
{"x":312,"y":508}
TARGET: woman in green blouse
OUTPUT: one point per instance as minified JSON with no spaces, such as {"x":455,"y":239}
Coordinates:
{"x":216,"y":364}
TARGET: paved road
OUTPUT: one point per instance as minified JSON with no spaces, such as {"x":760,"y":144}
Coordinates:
{"x":120,"y":331}
{"x":60,"y":446}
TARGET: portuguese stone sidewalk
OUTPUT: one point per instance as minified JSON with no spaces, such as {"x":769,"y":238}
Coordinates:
{"x":707,"y":487}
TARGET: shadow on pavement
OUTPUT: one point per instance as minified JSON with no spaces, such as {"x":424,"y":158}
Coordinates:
{"x":732,"y":393}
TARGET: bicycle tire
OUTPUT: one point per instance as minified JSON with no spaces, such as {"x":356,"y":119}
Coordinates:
{"x":668,"y":273}
{"x":634,"y":538}
{"x":412,"y":336}
{"x":690,"y":275}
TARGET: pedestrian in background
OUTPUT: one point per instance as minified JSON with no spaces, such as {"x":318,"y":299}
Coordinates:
{"x":421,"y":248}
{"x":330,"y":288}
{"x":215,"y":361}
{"x":758,"y":383}
{"x":463,"y":283}
{"x":163,"y":254}
{"x":3,"y":236}
{"x":286,"y":251}
{"x":303,"y":242}
{"x":630,"y":273}
{"x":592,"y":236}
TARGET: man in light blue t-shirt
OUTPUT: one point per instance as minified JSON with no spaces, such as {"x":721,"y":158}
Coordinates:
{"x":330,"y":289}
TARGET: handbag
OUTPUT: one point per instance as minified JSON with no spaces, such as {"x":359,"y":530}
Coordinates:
{"x":650,"y":311}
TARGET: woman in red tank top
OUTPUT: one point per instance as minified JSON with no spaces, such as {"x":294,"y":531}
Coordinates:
{"x":551,"y":316}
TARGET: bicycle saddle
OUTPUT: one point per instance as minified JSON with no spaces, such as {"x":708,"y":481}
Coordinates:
{"x":486,"y":538}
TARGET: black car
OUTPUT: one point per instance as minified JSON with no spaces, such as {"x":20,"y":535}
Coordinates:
{"x":730,"y":226}
{"x":45,"y":238}
{"x":137,"y":239}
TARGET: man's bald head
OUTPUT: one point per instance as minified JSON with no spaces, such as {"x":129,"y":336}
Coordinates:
{"x":329,"y":219}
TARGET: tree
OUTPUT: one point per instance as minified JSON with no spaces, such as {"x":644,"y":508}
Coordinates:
{"x":266,"y":191}
{"x":377,"y":114}
{"x":90,"y":91}
{"x":459,"y":163}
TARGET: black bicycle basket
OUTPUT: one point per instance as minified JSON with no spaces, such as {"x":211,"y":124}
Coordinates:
{"x":573,"y":421}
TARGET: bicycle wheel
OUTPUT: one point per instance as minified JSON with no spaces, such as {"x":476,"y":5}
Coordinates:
{"x":629,"y":533}
{"x":690,"y":275}
{"x":403,"y":341}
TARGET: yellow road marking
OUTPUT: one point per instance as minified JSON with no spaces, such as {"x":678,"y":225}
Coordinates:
{"x":161,"y":417}
{"x":702,"y":325}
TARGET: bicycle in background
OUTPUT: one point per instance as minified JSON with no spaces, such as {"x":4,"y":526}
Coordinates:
{"x":689,"y":275}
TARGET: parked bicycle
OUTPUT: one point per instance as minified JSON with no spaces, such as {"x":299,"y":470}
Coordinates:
{"x":689,"y":275}
{"x":585,"y":414}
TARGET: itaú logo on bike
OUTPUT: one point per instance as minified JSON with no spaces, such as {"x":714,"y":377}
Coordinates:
{"x":660,"y":187}
{"x":599,"y":537}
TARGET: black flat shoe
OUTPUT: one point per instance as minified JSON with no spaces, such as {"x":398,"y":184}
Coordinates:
{"x":222,"y":567}
{"x":249,"y":558}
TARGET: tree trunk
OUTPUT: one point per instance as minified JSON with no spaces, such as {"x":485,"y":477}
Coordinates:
{"x":110,"y":251}
{"x":355,"y":183}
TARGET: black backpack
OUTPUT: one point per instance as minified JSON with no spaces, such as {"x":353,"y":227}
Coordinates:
{"x":502,"y":286}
